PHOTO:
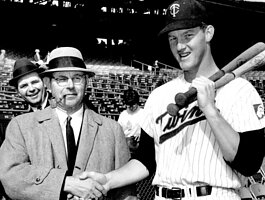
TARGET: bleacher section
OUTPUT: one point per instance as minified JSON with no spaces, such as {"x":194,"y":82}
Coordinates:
{"x":105,"y":89}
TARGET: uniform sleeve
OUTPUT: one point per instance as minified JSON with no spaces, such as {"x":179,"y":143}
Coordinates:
{"x":147,"y":123}
{"x":246,"y":116}
{"x":22,"y":179}
{"x":247,"y":112}
{"x":120,"y":118}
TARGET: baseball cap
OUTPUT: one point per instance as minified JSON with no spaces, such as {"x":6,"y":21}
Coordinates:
{"x":184,"y":14}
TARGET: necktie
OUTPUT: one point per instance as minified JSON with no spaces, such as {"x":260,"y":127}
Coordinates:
{"x":71,"y":146}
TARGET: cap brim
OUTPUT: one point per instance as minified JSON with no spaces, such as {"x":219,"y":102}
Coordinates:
{"x":13,"y":81}
{"x":87,"y":71}
{"x":177,"y":25}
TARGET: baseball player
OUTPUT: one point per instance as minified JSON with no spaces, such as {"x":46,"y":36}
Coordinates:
{"x":209,"y":148}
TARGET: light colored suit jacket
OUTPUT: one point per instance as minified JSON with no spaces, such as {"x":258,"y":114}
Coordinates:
{"x":33,"y":161}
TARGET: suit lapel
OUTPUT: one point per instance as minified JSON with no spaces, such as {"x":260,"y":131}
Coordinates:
{"x":52,"y":127}
{"x":86,"y":140}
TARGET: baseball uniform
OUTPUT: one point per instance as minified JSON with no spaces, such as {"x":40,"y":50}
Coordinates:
{"x":187,"y":152}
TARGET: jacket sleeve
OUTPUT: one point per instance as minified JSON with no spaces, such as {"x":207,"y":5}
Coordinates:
{"x":122,"y":156}
{"x":22,"y":179}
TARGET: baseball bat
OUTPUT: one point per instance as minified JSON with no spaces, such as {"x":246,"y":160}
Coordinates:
{"x":183,"y":99}
{"x":252,"y":64}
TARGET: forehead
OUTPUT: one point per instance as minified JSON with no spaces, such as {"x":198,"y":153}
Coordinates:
{"x":67,"y":73}
{"x":183,"y":31}
{"x":28,"y":77}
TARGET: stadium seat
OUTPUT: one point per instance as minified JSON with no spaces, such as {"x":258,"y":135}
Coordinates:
{"x":258,"y":190}
{"x":245,"y":193}
{"x":257,"y":178}
{"x":262,"y":169}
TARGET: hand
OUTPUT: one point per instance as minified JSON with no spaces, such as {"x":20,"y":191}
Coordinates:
{"x":99,"y":177}
{"x":136,"y":132}
{"x":205,"y":92}
{"x":85,"y":188}
{"x":72,"y":197}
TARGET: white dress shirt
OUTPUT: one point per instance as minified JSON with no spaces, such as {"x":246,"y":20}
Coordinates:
{"x":76,"y":122}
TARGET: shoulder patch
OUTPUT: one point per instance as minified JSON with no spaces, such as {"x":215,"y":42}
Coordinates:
{"x":259,"y":110}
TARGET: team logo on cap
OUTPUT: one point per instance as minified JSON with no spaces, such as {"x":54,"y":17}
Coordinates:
{"x":174,"y":9}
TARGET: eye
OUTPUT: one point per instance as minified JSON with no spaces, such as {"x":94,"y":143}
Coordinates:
{"x":188,"y":36}
{"x":62,"y":79}
{"x":172,"y":39}
{"x":23,"y":86}
{"x":35,"y":82}
{"x":77,"y":78}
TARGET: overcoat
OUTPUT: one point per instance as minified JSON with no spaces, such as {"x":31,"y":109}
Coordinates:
{"x":33,"y":160}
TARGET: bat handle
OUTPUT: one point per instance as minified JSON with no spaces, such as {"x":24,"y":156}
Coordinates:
{"x":184,"y":99}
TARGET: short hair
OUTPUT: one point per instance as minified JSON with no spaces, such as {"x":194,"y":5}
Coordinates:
{"x":130,"y":97}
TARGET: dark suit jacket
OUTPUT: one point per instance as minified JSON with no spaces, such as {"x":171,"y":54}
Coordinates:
{"x":33,"y":161}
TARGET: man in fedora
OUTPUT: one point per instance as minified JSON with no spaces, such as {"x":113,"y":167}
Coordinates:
{"x":26,"y":79}
{"x":44,"y":152}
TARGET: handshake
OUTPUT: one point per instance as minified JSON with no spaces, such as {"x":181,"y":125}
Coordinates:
{"x":86,"y":186}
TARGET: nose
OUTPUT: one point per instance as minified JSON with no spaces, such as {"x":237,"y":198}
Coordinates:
{"x":180,"y":45}
{"x":31,"y":87}
{"x":70,"y":83}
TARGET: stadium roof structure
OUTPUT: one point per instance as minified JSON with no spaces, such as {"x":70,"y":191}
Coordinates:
{"x":250,"y":4}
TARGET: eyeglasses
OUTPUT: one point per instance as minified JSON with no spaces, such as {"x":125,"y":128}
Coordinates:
{"x":63,"y":80}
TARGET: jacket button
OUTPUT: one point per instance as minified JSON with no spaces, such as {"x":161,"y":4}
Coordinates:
{"x":37,"y":179}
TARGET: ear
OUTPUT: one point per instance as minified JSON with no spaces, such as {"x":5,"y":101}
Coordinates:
{"x":47,"y":82}
{"x":209,"y":32}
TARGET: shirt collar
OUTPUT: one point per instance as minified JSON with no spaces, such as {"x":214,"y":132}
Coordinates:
{"x":62,"y":115}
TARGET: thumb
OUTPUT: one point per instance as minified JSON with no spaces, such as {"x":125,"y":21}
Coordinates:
{"x":84,"y":175}
{"x":100,"y":178}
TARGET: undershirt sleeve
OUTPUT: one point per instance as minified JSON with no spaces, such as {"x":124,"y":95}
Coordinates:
{"x":250,"y":153}
{"x":145,"y":153}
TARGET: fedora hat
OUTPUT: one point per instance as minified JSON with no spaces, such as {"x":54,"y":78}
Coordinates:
{"x":66,"y":59}
{"x":23,"y":67}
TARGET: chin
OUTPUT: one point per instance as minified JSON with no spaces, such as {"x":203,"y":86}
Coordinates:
{"x":186,"y":67}
{"x":34,"y":102}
